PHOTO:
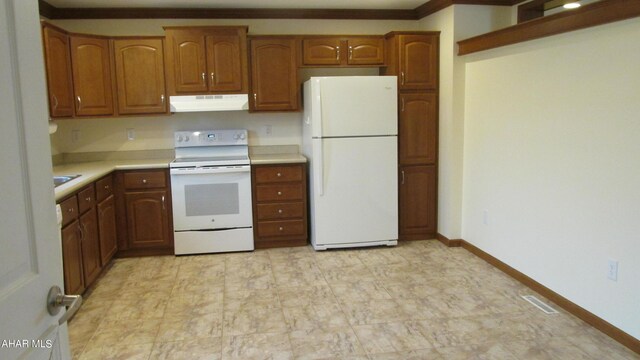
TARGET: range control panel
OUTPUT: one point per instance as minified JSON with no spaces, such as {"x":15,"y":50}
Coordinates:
{"x":211,"y":138}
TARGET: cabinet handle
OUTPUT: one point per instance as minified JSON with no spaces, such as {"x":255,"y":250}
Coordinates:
{"x":402,"y":177}
{"x":55,"y":106}
{"x":79,"y":102}
{"x":402,"y":100}
{"x":350,"y":52}
{"x":255,"y":98}
{"x":338,"y":54}
{"x":204,"y":77}
{"x":81,"y":232}
{"x":402,"y":77}
{"x":162,"y":98}
{"x":213,"y":76}
{"x":163,"y":206}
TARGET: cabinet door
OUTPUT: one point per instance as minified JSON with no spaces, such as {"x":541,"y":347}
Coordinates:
{"x":91,"y":264}
{"x":274,"y":80}
{"x":91,"y":76}
{"x":72,"y":259}
{"x":147,"y":219}
{"x":224,"y":63}
{"x":321,"y":51}
{"x":418,"y":128}
{"x":418,"y":61}
{"x":58,"y":65}
{"x":140,"y":81}
{"x":107,"y":229}
{"x":418,"y":205}
{"x":365,"y":51}
{"x":187,"y":61}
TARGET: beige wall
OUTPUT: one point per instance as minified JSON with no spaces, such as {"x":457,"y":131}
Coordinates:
{"x":156,"y":132}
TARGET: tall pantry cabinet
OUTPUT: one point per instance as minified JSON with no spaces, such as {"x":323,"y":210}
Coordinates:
{"x":413,"y":57}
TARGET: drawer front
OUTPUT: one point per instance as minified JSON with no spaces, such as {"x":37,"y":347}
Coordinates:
{"x":145,"y":180}
{"x":281,"y":228}
{"x":69,"y":210}
{"x":280,"y":211}
{"x":104,"y":188}
{"x":86,"y":198}
{"x":273,"y":174}
{"x":278,"y":192}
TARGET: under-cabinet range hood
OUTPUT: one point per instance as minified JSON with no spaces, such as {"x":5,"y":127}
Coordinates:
{"x":196,"y":103}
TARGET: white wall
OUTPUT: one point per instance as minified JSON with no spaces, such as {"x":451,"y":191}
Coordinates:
{"x":552,"y":154}
{"x":156,"y":132}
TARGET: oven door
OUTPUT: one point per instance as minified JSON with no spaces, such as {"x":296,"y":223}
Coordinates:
{"x":209,"y":198}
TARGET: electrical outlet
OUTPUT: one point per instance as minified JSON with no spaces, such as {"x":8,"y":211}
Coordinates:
{"x":485,"y":217}
{"x":612,"y":274}
{"x":131,"y":134}
{"x":75,"y":136}
{"x":268,"y":129}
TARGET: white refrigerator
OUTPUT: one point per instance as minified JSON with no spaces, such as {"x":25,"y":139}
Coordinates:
{"x":350,"y":138}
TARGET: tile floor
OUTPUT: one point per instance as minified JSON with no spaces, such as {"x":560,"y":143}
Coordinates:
{"x":419,"y":300}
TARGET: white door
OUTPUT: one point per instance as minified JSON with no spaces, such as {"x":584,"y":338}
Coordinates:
{"x":30,"y":256}
{"x":354,"y":191}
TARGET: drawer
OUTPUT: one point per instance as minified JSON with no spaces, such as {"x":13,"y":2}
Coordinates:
{"x":281,"y":228}
{"x":104,"y":188}
{"x":280,"y":211}
{"x":272,"y":174}
{"x":145,"y":180}
{"x":69,"y":210}
{"x":278,"y":192}
{"x":86,"y":198}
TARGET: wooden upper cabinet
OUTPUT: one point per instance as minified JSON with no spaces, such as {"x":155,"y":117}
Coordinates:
{"x":204,"y":60}
{"x":418,"y":128}
{"x":413,"y":58}
{"x":92,"y":82}
{"x":139,"y":65}
{"x":274,"y":79}
{"x":58,"y":65}
{"x":343,"y":51}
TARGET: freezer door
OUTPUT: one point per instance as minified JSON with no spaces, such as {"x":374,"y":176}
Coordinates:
{"x":354,"y":190}
{"x":354,"y":106}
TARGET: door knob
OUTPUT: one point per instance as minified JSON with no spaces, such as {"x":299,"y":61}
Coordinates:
{"x":56,"y":299}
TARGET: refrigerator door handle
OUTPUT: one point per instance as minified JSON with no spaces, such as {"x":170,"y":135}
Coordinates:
{"x":319,"y":166}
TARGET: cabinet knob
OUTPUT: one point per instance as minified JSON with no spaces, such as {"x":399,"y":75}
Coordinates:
{"x":279,"y":211}
{"x":106,"y":187}
{"x":144,"y":181}
{"x":70,"y":210}
{"x":279,"y":174}
{"x":280,"y":228}
{"x":279,"y":193}
{"x":88,"y":199}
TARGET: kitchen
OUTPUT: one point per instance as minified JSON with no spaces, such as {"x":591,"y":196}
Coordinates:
{"x":90,"y":136}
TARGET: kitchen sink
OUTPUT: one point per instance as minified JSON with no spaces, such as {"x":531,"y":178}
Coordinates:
{"x":59,"y":180}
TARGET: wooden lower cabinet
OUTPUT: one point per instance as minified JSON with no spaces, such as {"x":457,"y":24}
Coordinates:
{"x":418,"y":202}
{"x":72,"y":259}
{"x":279,"y":205}
{"x":148,"y":219}
{"x":107,"y":229}
{"x":91,"y":263}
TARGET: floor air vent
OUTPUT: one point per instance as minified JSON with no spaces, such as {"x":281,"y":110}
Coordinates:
{"x":540,"y":305}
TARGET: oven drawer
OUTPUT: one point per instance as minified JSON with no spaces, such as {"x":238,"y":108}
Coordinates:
{"x":69,"y":209}
{"x":104,"y":188}
{"x":280,"y":211}
{"x":86,"y":198}
{"x":281,"y":228}
{"x":273,"y":174}
{"x":279,"y":192}
{"x":145,"y":180}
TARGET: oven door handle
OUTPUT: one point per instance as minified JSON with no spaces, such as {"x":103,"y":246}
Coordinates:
{"x":210,"y":170}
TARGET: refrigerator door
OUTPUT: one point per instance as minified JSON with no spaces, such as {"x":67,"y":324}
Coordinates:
{"x":353,"y":106}
{"x":354,"y":192}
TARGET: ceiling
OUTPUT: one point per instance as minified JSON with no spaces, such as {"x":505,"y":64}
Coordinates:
{"x":221,"y":4}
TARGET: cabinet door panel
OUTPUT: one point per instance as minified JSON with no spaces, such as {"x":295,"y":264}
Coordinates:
{"x":147,"y":219}
{"x":418,"y":128}
{"x":139,"y":67}
{"x":324,"y":51}
{"x":91,"y":76}
{"x":224,"y":63}
{"x":418,"y":61}
{"x":365,"y":51}
{"x":418,"y":204}
{"x":91,"y":264}
{"x":274,"y":80}
{"x":72,"y":259}
{"x":58,"y":66}
{"x":107,"y":229}
{"x":189,"y":62}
